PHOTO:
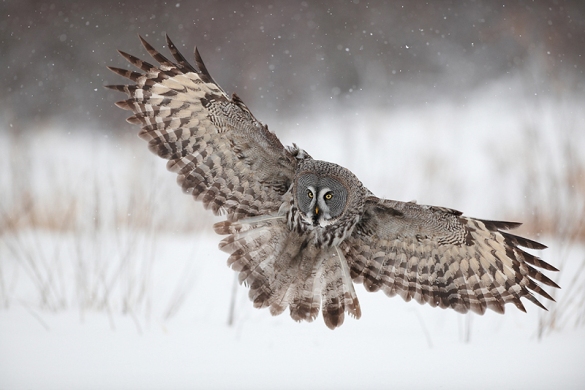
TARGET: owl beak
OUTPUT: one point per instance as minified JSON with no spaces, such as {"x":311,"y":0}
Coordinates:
{"x":316,"y":216}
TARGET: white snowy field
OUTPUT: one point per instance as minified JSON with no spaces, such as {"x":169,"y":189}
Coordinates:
{"x":111,"y":278}
{"x":394,"y":345}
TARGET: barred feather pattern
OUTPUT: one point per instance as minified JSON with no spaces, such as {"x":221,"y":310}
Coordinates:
{"x":283,"y":269}
{"x":293,"y":247}
{"x":437,"y":256}
{"x":223,"y":156}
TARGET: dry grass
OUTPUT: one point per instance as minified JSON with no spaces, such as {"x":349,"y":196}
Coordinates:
{"x":83,"y":229}
{"x":554,"y":189}
{"x":103,"y":203}
{"x":58,"y":182}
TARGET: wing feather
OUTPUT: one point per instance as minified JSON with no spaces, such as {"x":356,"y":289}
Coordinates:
{"x":438,"y":256}
{"x":222,"y":154}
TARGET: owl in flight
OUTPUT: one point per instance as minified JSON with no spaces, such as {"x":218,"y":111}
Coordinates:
{"x":300,"y":231}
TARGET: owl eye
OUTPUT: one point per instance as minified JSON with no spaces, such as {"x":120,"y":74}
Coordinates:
{"x":328,"y":196}
{"x":310,"y":194}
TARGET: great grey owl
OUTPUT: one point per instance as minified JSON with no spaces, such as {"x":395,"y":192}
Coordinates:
{"x":300,"y":231}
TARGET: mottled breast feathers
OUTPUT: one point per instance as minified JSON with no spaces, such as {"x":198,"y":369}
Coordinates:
{"x":300,"y":232}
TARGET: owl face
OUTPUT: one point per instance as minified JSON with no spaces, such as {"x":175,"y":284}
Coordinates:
{"x":320,"y":199}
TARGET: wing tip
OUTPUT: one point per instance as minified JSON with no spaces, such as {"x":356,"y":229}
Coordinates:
{"x":520,"y":305}
{"x":113,"y":87}
{"x":523,"y":241}
{"x":169,"y":41}
{"x":497,"y":225}
{"x":123,"y":104}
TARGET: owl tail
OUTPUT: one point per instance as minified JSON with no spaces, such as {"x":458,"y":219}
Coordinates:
{"x":284,"y":269}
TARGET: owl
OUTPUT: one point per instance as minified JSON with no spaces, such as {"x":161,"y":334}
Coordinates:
{"x":301,"y":232}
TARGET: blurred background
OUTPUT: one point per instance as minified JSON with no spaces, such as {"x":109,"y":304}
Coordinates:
{"x":289,"y":57}
{"x":474,"y":105}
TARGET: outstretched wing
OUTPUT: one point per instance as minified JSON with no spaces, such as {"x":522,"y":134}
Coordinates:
{"x":437,"y":256}
{"x":223,"y":156}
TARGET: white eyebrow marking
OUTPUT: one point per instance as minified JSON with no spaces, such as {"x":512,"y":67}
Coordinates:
{"x":323,"y":192}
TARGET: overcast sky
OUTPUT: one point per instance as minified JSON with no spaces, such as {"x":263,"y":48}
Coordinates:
{"x":287,"y":56}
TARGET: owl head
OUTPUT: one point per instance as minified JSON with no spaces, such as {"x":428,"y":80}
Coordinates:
{"x":326,"y":193}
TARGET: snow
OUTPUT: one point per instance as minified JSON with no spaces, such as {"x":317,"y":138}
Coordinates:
{"x":273,"y":354}
{"x":131,"y":291}
{"x":395,"y":344}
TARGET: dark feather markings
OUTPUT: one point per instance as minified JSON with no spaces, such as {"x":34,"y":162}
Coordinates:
{"x":525,"y":242}
{"x":209,"y":139}
{"x":127,"y":89}
{"x":137,"y":62}
{"x":226,"y":158}
{"x":134,"y":76}
{"x":203,"y":69}
{"x":182,"y":63}
{"x":160,"y":58}
{"x":497,"y":225}
{"x":463,"y":263}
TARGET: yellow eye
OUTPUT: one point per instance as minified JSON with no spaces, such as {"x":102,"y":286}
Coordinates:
{"x":310,"y":194}
{"x":328,"y":196}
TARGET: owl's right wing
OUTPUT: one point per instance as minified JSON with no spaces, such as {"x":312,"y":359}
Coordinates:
{"x":222,"y":154}
{"x":440,"y":257}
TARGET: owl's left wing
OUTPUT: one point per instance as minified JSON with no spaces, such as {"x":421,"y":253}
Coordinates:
{"x":222,"y":154}
{"x":438,"y":256}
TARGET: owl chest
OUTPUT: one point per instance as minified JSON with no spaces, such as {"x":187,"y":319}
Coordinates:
{"x":321,"y":236}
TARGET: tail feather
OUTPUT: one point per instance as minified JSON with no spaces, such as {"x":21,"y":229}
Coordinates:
{"x":283,"y":269}
{"x":306,"y":299}
{"x":338,"y":293}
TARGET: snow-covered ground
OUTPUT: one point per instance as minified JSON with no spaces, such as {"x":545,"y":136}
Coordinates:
{"x":394,"y":345}
{"x":111,"y":278}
